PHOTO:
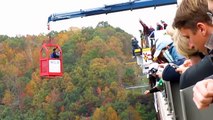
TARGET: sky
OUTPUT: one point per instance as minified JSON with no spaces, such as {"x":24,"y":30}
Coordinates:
{"x":29,"y":17}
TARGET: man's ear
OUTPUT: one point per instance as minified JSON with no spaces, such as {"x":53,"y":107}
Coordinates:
{"x":202,"y":28}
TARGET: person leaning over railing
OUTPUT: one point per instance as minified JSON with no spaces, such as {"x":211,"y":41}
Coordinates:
{"x":165,"y":48}
{"x":203,"y":90}
{"x":158,"y":87}
{"x":195,"y":23}
{"x":159,"y":84}
{"x":192,"y":55}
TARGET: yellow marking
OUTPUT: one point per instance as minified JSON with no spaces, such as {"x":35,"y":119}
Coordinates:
{"x":146,"y":49}
{"x":137,"y":50}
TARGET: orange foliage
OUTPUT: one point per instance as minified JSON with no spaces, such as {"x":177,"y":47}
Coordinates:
{"x":67,"y":84}
{"x":53,"y":96}
{"x":116,"y":45}
{"x":8,"y":98}
{"x":8,"y":51}
{"x":98,"y":114}
{"x":62,"y":108}
{"x":98,"y":90}
{"x":111,"y":114}
{"x":30,"y":88}
{"x":94,"y":44}
{"x":61,"y":38}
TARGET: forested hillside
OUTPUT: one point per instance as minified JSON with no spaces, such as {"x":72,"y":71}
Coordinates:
{"x":93,"y":84}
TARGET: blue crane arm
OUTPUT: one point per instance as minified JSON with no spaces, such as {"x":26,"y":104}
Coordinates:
{"x":131,"y":5}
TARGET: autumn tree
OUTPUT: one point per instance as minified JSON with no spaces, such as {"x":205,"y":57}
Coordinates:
{"x":93,"y":84}
{"x":98,"y":114}
{"x":111,"y":114}
{"x":8,"y":98}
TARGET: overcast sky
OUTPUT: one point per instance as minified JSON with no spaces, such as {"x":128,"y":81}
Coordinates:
{"x":21,"y":17}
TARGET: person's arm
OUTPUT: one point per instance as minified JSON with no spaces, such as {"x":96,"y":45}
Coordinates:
{"x":147,"y":92}
{"x":170,"y":74}
{"x":182,"y":68}
{"x":197,"y":72}
{"x":203,"y":93}
{"x":58,"y":54}
{"x":152,"y":90}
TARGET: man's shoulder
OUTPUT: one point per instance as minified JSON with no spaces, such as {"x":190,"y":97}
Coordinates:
{"x":197,"y":72}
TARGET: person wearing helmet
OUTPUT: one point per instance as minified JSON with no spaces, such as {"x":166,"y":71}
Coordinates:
{"x":134,"y":45}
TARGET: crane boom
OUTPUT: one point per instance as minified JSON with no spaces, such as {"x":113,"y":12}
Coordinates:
{"x":131,"y":5}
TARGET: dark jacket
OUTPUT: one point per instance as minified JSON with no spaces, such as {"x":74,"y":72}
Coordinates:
{"x":154,"y":89}
{"x":197,"y":72}
{"x":150,"y":32}
{"x":54,"y":55}
{"x":145,"y":28}
{"x":135,"y":44}
{"x":169,"y":73}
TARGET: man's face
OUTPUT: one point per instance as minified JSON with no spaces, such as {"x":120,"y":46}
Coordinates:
{"x":196,"y":40}
{"x":210,"y":5}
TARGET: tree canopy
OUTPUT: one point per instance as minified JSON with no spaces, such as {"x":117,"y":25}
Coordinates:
{"x":93,"y":84}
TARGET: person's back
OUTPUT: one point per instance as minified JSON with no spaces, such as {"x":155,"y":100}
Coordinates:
{"x":135,"y":43}
{"x":151,"y":30}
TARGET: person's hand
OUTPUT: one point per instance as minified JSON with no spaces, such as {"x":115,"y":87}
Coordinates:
{"x":159,"y":74}
{"x":146,"y":92}
{"x":58,"y":53}
{"x":163,"y":65}
{"x":182,"y":68}
{"x":160,"y":69}
{"x":187,"y":63}
{"x":203,"y":93}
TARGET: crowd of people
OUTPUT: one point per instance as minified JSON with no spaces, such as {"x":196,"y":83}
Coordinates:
{"x":148,"y":32}
{"x":198,"y":30}
{"x":185,"y":56}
